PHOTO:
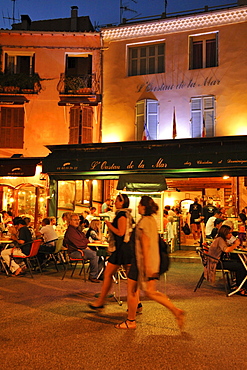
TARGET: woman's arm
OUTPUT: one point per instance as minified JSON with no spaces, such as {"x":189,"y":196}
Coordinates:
{"x":145,"y":244}
{"x":121,"y":226}
{"x":233,"y":246}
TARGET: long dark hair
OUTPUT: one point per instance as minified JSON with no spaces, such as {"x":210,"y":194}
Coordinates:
{"x":224,"y":231}
{"x":242,"y":217}
{"x":150,"y":206}
{"x":124,"y":198}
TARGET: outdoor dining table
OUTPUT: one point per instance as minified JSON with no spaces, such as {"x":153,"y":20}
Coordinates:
{"x":242,"y":254}
{"x":4,"y":243}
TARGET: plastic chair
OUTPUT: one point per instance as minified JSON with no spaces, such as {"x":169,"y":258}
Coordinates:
{"x":74,"y":262}
{"x":57,"y":255}
{"x":32,"y":256}
{"x":205,"y":257}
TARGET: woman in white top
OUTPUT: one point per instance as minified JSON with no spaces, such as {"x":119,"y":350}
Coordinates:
{"x":144,"y":270}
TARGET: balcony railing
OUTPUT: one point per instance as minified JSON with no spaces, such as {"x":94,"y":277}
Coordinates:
{"x":78,"y":85}
{"x":19,"y":83}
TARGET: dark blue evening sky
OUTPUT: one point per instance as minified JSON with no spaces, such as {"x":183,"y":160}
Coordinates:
{"x":100,"y":11}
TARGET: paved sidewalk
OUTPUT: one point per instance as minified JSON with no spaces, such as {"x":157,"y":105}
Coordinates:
{"x":46,"y":324}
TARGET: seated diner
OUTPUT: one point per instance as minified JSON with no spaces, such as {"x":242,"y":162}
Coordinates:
{"x":219,"y":249}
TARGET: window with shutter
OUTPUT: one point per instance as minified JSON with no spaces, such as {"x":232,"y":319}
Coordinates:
{"x":147,"y":119}
{"x":146,"y":59}
{"x":203,"y":116}
{"x":87,"y":119}
{"x":203,"y":51}
{"x":81,"y":125}
{"x":11,"y":127}
{"x":74,"y":125}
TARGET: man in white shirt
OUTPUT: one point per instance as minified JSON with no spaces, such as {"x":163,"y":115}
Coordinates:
{"x":210,"y":224}
{"x":50,"y":236}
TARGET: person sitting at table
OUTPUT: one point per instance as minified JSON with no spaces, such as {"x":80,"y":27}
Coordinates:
{"x":242,"y":227}
{"x":217,"y":225}
{"x":218,"y":249}
{"x":28,"y":223}
{"x":94,"y":232}
{"x":210,"y":224}
{"x":77,"y":244}
{"x":22,"y":247}
{"x":49,"y":236}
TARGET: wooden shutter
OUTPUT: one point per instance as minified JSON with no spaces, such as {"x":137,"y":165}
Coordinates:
{"x":140,"y":119}
{"x":208,"y":113}
{"x":33,"y":65}
{"x":152,"y":118}
{"x":6,"y":63}
{"x":87,"y":124}
{"x":196,"y":117}
{"x":12,"y":128}
{"x":75,"y":114}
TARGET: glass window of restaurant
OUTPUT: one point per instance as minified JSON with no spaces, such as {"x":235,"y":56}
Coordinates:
{"x":78,"y":194}
{"x":31,"y":202}
{"x":6,"y":198}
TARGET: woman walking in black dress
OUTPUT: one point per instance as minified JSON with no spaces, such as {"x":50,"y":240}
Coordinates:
{"x":120,"y":231}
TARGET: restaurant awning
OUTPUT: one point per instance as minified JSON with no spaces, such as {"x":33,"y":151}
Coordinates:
{"x":203,"y":157}
{"x":18,"y":167}
{"x":13,"y":100}
{"x":142,"y":183}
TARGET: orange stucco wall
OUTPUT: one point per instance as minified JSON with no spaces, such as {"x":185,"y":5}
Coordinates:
{"x":46,"y":123}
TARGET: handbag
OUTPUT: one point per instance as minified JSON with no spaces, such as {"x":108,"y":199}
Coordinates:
{"x":164,"y":256}
{"x":186,"y":229}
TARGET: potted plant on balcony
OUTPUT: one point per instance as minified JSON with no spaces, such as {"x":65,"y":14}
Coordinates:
{"x":19,"y":82}
{"x":77,"y":84}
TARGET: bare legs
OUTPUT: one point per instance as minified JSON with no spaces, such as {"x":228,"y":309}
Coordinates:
{"x":152,"y":293}
{"x":107,"y":283}
{"x":161,"y":298}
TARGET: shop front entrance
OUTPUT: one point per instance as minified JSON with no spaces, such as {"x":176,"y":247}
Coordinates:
{"x":209,"y":168}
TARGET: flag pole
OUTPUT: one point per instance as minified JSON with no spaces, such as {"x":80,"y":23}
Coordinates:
{"x":174,"y":125}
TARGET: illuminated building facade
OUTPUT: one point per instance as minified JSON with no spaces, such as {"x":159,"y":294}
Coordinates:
{"x":180,"y":78}
{"x":192,"y":64}
{"x":50,"y":93}
{"x":173,"y":90}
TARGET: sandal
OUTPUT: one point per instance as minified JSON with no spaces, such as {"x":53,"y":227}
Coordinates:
{"x":95,"y":308}
{"x":124,"y":325}
{"x":242,"y":292}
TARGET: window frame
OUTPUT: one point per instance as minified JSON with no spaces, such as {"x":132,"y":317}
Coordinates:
{"x":80,"y":131}
{"x":14,"y":55}
{"x":147,"y":58}
{"x":203,"y":38}
{"x":144,"y":121}
{"x":205,"y":113}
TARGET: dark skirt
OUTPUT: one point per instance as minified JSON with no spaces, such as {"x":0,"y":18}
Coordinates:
{"x":133,"y":271}
{"x":122,"y":255}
